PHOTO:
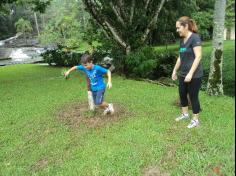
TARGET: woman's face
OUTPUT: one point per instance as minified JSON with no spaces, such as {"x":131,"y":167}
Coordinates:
{"x":183,"y":31}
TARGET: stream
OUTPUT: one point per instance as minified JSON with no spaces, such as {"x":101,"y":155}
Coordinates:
{"x":18,"y":55}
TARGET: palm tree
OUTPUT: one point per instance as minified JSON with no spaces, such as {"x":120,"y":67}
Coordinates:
{"x":215,"y":85}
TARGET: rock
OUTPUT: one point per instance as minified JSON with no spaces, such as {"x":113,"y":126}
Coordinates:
{"x":5,"y":53}
{"x":107,"y":63}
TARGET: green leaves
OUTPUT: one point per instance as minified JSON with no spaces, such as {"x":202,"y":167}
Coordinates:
{"x":230,"y":13}
{"x":23,"y":26}
{"x":65,"y":24}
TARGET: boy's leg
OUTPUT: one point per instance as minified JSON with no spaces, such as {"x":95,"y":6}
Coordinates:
{"x":90,"y":101}
{"x":104,"y":105}
{"x":98,"y":97}
{"x":98,"y":100}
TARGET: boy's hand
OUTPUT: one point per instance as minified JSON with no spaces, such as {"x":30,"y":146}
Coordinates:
{"x":66,"y":74}
{"x":109,"y":85}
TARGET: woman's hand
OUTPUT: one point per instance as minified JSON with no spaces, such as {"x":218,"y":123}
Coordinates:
{"x":188,"y":77}
{"x":174,"y":76}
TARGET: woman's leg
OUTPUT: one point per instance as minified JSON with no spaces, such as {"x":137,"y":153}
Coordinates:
{"x":193,"y":89}
{"x":183,"y":92}
{"x":183,"y":99}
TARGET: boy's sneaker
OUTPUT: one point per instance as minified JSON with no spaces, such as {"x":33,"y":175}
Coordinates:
{"x":106,"y":111}
{"x":193,"y":123}
{"x":110,"y":107}
{"x":182,"y":117}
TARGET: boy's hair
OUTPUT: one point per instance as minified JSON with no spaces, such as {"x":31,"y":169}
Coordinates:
{"x":85,"y":58}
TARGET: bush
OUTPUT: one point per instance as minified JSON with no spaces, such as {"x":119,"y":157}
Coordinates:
{"x":141,"y":63}
{"x":167,"y":60}
{"x":111,"y":49}
{"x":98,"y":56}
{"x":67,"y":57}
{"x":62,"y":57}
{"x":148,"y":63}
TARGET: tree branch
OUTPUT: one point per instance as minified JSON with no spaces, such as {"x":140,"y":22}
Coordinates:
{"x":95,"y":12}
{"x":117,"y":13}
{"x":152,"y":21}
{"x":146,"y":4}
{"x":132,"y":12}
{"x":104,"y":23}
{"x":122,"y":9}
{"x":115,"y":34}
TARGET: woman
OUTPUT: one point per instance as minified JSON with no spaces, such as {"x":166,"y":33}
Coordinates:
{"x":191,"y":71}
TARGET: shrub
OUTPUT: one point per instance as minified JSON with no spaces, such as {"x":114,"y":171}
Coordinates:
{"x":148,"y":63}
{"x":62,"y":57}
{"x":141,"y":63}
{"x":166,"y":60}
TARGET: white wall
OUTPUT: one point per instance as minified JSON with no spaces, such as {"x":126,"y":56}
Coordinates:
{"x":232,"y":33}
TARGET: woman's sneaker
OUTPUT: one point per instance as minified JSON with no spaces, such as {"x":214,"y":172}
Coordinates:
{"x":182,"y":117}
{"x":193,"y":123}
{"x":110,"y":107}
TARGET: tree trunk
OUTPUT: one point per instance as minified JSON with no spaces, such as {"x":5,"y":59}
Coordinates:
{"x":36,"y":22}
{"x":215,"y":85}
{"x":43,"y":20}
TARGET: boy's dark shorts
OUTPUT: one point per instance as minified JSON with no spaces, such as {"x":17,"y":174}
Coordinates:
{"x":98,"y":96}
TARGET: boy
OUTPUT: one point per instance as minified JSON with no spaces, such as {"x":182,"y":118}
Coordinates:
{"x":95,"y":74}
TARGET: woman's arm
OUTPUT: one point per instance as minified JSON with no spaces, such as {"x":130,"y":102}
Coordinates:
{"x":198,"y":55}
{"x":176,"y":68}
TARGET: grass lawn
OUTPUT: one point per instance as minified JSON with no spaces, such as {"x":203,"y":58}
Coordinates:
{"x":34,"y":142}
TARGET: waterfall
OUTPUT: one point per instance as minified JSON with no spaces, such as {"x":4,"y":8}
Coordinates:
{"x":19,"y":55}
{"x":9,"y":55}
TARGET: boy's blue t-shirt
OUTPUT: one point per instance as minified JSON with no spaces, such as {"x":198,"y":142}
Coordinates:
{"x":95,"y":76}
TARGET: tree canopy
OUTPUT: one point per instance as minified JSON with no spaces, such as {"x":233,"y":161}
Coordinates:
{"x":37,"y":5}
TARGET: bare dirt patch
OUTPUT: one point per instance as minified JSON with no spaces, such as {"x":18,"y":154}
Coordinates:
{"x":77,"y":114}
{"x":154,"y":171}
{"x":39,"y":165}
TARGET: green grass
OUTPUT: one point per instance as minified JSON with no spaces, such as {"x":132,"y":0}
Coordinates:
{"x":34,"y":142}
{"x":228,"y":63}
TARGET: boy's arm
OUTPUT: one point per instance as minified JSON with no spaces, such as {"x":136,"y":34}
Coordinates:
{"x":109,"y":84}
{"x":70,"y":70}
